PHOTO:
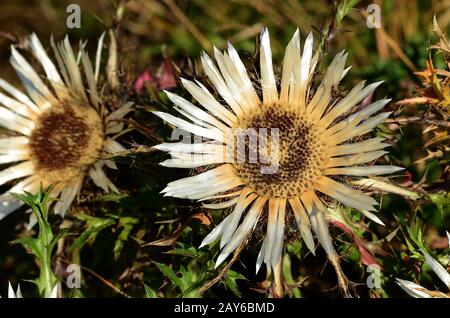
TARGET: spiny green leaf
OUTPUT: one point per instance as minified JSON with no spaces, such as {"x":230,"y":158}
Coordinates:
{"x":187,"y":252}
{"x":441,"y":200}
{"x":29,"y":243}
{"x":127,"y":223}
{"x":42,"y":246}
{"x":94,"y":226}
{"x":168,"y":272}
{"x":230,"y":281}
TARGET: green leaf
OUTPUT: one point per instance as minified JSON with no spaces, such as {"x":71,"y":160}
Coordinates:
{"x":287,"y":273}
{"x":168,"y":272}
{"x":94,"y":226}
{"x":295,"y":248}
{"x":230,"y":281}
{"x":42,"y":246}
{"x":127,"y":223}
{"x":113,"y":197}
{"x":440,"y":199}
{"x":29,"y":243}
{"x":149,"y":292}
{"x":187,"y":252}
{"x":62,"y":233}
{"x":344,"y":8}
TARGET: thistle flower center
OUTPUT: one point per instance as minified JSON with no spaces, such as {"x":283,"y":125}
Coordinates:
{"x":289,"y":148}
{"x":65,"y":142}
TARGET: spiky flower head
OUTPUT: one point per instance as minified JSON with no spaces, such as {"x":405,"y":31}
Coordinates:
{"x":278,"y":150}
{"x":61,"y":128}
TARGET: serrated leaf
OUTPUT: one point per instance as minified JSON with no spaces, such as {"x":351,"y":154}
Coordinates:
{"x":344,"y":8}
{"x":112,"y":197}
{"x":192,"y":290}
{"x":42,"y":246}
{"x":287,"y":273}
{"x":186,"y":278}
{"x":29,"y":243}
{"x":94,"y":226}
{"x":127,"y":223}
{"x":230,"y":281}
{"x":190,"y":252}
